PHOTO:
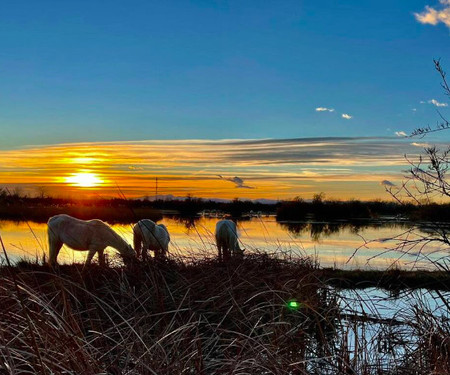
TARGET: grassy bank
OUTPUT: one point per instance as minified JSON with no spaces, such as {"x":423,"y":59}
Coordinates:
{"x":259,"y":316}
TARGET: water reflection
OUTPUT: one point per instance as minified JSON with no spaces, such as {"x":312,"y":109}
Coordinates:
{"x":391,"y":326}
{"x":319,"y":229}
{"x":188,"y":221}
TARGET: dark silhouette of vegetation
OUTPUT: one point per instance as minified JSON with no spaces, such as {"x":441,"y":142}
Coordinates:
{"x":15,"y":206}
{"x":260,"y":315}
{"x":203,"y":318}
{"x":424,"y":183}
{"x":392,"y":279}
{"x":321,"y":209}
{"x":192,"y":206}
{"x":40,"y":209}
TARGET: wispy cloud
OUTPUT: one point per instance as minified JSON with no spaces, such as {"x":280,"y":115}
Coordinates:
{"x":387,"y":183}
{"x":324,"y":109}
{"x":436,"y":103}
{"x":422,"y":145}
{"x":239,"y":182}
{"x":401,"y":134}
{"x":435,"y":15}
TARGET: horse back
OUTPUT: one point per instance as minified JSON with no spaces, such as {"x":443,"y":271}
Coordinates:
{"x":163,"y":232}
{"x":75,"y":233}
{"x":144,"y":226}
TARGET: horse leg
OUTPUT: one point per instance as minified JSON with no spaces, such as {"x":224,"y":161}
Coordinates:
{"x":137,"y":244}
{"x":159,"y":254}
{"x":101,"y":258}
{"x":90,"y":256}
{"x":219,"y":248}
{"x":54,"y":248}
{"x":144,"y":252}
{"x":226,"y":254}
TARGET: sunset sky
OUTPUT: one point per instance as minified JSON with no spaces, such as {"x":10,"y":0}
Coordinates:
{"x":250,"y":99}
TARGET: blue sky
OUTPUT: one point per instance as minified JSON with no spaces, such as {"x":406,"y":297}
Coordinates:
{"x":74,"y":71}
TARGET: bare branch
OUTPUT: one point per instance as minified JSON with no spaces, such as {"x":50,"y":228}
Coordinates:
{"x":444,"y":124}
{"x":444,"y":84}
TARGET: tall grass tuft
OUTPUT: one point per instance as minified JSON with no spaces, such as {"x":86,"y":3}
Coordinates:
{"x":166,"y":318}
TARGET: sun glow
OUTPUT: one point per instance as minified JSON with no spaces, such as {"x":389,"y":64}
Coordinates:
{"x":84,"y":179}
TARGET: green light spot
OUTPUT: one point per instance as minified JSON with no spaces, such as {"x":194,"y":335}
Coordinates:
{"x":293,"y":305}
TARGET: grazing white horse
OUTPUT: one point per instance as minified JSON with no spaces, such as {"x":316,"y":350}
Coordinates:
{"x":92,"y":235}
{"x":227,"y":240}
{"x":151,"y":237}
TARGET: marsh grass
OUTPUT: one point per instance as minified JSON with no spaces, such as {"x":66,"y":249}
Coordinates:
{"x":169,"y":318}
{"x":276,"y":313}
{"x":200,"y":316}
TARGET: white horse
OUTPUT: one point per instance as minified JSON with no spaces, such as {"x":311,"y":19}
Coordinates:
{"x":92,"y":235}
{"x":150,"y":236}
{"x":227,"y":240}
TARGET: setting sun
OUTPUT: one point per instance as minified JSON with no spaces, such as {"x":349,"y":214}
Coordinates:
{"x":84,"y":179}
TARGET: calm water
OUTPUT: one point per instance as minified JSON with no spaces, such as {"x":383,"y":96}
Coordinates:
{"x":389,"y":342}
{"x":331,"y":243}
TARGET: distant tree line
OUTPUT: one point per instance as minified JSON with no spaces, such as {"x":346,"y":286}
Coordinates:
{"x":321,"y":209}
{"x":21,"y":207}
{"x":191,"y":206}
